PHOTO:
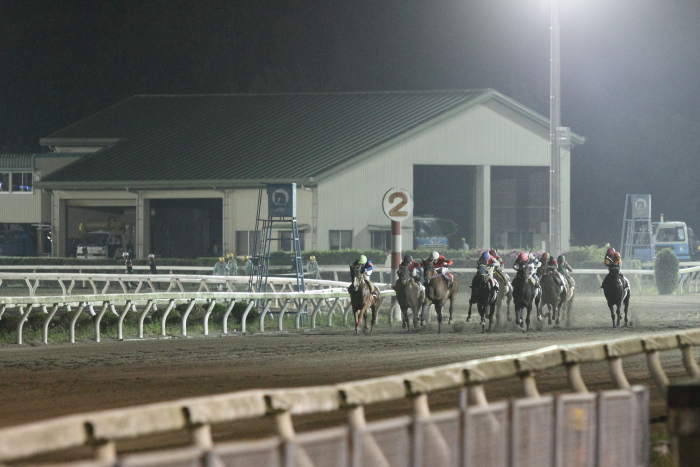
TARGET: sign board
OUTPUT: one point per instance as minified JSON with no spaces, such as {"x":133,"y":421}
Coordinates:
{"x":641,"y":206}
{"x":282,"y":200}
{"x":397,"y":204}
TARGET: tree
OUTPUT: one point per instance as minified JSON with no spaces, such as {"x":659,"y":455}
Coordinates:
{"x":666,"y":271}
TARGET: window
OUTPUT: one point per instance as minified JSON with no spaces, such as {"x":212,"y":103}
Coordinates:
{"x":287,"y":240}
{"x":16,"y":182}
{"x":339,"y":239}
{"x":381,"y":240}
{"x":244,"y":242}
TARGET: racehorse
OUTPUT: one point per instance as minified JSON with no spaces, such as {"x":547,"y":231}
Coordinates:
{"x":553,"y":296}
{"x":617,"y":292}
{"x":361,"y":299}
{"x":437,"y":291}
{"x":409,"y":294}
{"x":484,"y":297}
{"x":524,"y":292}
{"x":505,"y":292}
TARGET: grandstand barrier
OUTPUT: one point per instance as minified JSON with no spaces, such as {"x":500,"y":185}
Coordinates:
{"x":606,"y":428}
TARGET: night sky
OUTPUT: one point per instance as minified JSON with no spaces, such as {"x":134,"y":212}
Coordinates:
{"x":629,"y":74}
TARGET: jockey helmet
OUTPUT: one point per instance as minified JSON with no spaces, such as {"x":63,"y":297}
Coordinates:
{"x":492,"y":252}
{"x":312,"y":258}
{"x":434,"y":255}
{"x":230,"y":255}
{"x":221,"y":260}
{"x":245,"y":258}
{"x":407,"y":259}
{"x":125,"y":254}
{"x":151,"y":256}
{"x":485,"y":256}
{"x":553,"y":262}
{"x":561,"y":259}
{"x":362,"y":260}
{"x":611,"y":251}
{"x":544,"y":257}
{"x":522,"y":257}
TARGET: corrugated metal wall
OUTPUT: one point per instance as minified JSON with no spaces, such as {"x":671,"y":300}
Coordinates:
{"x":488,"y":134}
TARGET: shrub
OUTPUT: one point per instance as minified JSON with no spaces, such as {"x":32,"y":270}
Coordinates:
{"x":238,"y":310}
{"x":666,"y":271}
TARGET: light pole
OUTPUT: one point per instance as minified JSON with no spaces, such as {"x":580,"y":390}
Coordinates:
{"x":555,"y":245}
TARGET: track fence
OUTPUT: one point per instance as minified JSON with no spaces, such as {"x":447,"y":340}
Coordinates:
{"x":579,"y":428}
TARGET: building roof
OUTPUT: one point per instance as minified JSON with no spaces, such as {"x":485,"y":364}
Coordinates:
{"x":230,"y":140}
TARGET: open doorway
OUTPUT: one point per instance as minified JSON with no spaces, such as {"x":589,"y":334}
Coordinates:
{"x":447,"y":192}
{"x":186,"y":228}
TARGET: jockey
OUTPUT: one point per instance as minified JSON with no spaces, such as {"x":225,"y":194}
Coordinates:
{"x":612,"y":260}
{"x":442,"y":265}
{"x":492,"y":263}
{"x":531,"y":264}
{"x":564,"y":269}
{"x":498,"y":262}
{"x":553,"y":268}
{"x":414,"y":267}
{"x":544,"y":261}
{"x":366,"y":268}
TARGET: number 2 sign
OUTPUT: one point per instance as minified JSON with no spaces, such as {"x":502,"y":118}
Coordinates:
{"x":397,"y":204}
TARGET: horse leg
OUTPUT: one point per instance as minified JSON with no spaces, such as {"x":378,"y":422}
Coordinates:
{"x":404,"y":315}
{"x":527,"y":320}
{"x":626,"y":302}
{"x":451,"y":307}
{"x":357,"y":321}
{"x":375,"y":310}
{"x":492,"y":310}
{"x":482,"y":315}
{"x":438,"y":311}
{"x":612,"y":313}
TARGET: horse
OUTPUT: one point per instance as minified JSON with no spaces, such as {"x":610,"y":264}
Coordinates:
{"x":524,"y":292}
{"x":617,"y":293}
{"x":553,"y":295}
{"x":505,"y":292}
{"x":409,"y":294}
{"x":568,"y":302}
{"x":437,"y":291}
{"x":484,"y":297}
{"x":361,"y":299}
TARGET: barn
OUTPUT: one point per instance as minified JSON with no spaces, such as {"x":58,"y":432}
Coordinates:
{"x":183,"y":172}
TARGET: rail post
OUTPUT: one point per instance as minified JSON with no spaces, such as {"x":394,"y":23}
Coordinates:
{"x":683,"y":400}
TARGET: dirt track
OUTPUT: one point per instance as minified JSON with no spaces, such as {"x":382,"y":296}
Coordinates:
{"x":40,"y":382}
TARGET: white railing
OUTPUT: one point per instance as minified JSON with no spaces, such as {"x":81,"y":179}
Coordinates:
{"x":100,"y":282}
{"x":357,"y":443}
{"x":321,"y":296}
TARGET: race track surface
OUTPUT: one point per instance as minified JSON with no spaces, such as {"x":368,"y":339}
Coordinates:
{"x":44,"y":381}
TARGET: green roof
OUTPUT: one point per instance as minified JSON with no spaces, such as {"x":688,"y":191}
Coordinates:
{"x":238,"y":139}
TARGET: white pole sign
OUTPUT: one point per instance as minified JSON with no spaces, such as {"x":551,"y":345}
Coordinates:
{"x":397,"y":204}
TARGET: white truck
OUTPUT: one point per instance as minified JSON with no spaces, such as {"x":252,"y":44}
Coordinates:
{"x":103,"y":240}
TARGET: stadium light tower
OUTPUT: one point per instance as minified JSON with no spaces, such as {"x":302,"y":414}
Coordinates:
{"x":556,"y":133}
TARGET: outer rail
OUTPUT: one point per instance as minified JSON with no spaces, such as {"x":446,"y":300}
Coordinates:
{"x":103,"y":430}
{"x":97,"y":305}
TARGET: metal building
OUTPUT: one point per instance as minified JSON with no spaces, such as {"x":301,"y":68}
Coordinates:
{"x":183,"y":171}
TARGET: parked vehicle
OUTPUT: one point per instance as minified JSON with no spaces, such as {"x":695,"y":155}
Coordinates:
{"x":432,"y":233}
{"x":17,"y":243}
{"x":677,"y":236}
{"x":108,"y":239}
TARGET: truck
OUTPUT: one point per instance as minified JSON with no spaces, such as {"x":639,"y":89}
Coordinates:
{"x":432,"y":233}
{"x":99,"y":242}
{"x":677,"y":236}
